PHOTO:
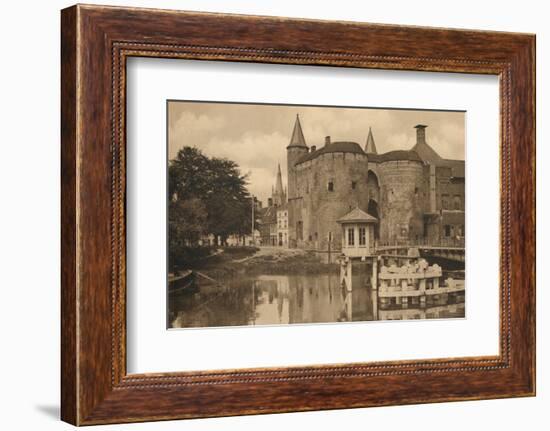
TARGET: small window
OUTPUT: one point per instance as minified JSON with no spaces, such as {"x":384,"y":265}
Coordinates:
{"x":445,"y":202}
{"x":457,"y":202}
{"x":447,"y":230}
{"x":362,"y":236}
{"x":353,"y":185}
{"x":330,"y":186}
{"x":316,"y":236}
{"x":351,"y":236}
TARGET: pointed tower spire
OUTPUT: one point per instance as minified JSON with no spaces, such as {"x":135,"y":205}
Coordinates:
{"x":370,"y":146}
{"x":297,"y":139}
{"x":279,"y":197}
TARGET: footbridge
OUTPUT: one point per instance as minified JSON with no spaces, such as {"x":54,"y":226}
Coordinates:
{"x":453,"y":250}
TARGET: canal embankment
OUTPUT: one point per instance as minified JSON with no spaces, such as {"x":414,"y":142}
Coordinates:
{"x":232,"y":261}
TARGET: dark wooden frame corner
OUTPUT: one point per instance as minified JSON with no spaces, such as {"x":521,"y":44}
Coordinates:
{"x":95,"y":43}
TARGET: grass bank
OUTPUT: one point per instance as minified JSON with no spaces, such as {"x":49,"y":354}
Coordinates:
{"x":233,"y":261}
{"x":296,"y":263}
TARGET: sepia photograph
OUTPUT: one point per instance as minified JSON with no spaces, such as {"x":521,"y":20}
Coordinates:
{"x":266,"y":211}
{"x":296,"y":214}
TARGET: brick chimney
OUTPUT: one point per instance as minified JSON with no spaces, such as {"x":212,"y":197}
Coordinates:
{"x":327,"y":140}
{"x":313,"y":148}
{"x":420,"y":133}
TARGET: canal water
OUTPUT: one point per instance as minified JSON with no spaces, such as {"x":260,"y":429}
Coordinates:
{"x":293,"y":299}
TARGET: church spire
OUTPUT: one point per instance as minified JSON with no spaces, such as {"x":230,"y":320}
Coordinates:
{"x":279,"y":186}
{"x":370,"y":146}
{"x":279,"y":197}
{"x":297,"y":139}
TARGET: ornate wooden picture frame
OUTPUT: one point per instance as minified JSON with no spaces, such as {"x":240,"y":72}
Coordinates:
{"x":96,"y":41}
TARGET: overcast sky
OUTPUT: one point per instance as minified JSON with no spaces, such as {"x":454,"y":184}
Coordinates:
{"x":256,"y":136}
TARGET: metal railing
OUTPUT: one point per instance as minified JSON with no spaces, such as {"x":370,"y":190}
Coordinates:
{"x":422,"y":243}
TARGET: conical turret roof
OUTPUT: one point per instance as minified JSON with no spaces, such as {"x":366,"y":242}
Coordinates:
{"x":297,"y":139}
{"x":370,"y":146}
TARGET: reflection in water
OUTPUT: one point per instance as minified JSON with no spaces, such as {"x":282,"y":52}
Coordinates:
{"x":274,"y":300}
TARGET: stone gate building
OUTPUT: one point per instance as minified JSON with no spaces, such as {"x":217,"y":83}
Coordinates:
{"x":416,"y":195}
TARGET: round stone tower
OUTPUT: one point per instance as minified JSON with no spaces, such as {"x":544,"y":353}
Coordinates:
{"x":332,"y":181}
{"x":295,"y":151}
{"x":401,"y":193}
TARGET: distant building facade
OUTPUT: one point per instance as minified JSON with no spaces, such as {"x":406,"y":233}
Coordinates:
{"x":274,"y":218}
{"x":412,"y":195}
{"x":268,"y":225}
{"x":282,"y":225}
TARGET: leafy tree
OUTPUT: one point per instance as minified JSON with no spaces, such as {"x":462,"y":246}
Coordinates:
{"x":186,"y":224}
{"x":218,"y":185}
{"x":186,"y":221}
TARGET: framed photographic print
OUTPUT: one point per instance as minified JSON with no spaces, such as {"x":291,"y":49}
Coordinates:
{"x":322,"y":214}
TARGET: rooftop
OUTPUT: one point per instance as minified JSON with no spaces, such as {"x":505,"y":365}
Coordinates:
{"x":399,"y":155}
{"x":334,"y":147}
{"x":357,"y":216}
{"x":297,"y":139}
{"x":268,"y":215}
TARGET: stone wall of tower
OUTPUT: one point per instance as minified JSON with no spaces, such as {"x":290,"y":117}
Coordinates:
{"x":402,"y":200}
{"x":293,"y":154}
{"x":318,"y":208}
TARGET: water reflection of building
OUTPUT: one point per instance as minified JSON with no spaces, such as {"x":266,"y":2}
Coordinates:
{"x":273,"y":305}
{"x":413,"y":313}
{"x":275,"y":300}
{"x":303,"y":299}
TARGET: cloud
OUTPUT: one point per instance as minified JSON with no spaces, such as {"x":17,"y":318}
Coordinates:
{"x":256,"y":136}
